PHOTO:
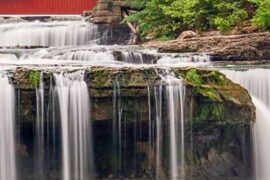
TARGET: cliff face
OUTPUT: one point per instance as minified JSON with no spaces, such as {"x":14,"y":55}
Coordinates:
{"x":219,"y":115}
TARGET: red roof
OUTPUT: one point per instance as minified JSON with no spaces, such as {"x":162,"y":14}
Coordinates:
{"x":45,"y":6}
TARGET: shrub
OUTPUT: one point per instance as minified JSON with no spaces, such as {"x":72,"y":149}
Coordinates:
{"x":166,"y":18}
{"x":262,"y":16}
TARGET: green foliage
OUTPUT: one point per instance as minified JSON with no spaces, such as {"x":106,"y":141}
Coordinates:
{"x":152,"y":20}
{"x":166,"y":18}
{"x":34,"y":78}
{"x":139,"y":4}
{"x":262,"y":16}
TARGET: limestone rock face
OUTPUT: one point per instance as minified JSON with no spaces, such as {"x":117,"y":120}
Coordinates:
{"x":107,"y":11}
{"x":247,"y":47}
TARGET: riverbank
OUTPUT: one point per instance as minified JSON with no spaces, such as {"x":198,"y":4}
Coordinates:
{"x":246,"y":47}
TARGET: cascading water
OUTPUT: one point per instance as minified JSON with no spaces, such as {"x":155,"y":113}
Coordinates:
{"x":170,"y":98}
{"x":257,"y":82}
{"x":7,"y":130}
{"x":87,"y":56}
{"x":185,"y":60}
{"x":132,"y":57}
{"x":40,"y":131}
{"x":175,"y":96}
{"x":77,"y":155}
{"x":62,"y":33}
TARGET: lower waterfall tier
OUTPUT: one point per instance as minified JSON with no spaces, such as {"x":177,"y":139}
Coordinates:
{"x":134,"y":113}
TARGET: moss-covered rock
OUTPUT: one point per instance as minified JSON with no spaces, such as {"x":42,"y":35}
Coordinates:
{"x":217,"y":98}
{"x":216,"y":128}
{"x":212,"y":95}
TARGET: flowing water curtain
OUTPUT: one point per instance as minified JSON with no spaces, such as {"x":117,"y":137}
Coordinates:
{"x":59,"y":33}
{"x":132,"y":135}
{"x":7,"y":130}
{"x":40,"y":131}
{"x":170,"y":99}
{"x":175,"y":94}
{"x":257,"y":82}
{"x":74,"y":102}
{"x":45,"y":131}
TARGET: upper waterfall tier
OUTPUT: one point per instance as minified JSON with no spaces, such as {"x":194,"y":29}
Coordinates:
{"x":51,"y":33}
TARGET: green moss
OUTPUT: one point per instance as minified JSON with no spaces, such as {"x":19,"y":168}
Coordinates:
{"x":194,"y":77}
{"x":110,"y":5}
{"x":208,"y":92}
{"x":33,"y":78}
{"x":209,"y":111}
{"x":216,"y":78}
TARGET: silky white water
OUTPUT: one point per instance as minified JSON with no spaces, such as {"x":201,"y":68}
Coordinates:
{"x":77,"y":158}
{"x":40,"y":131}
{"x":76,"y":55}
{"x":132,"y":57}
{"x":257,"y":82}
{"x":7,"y":130}
{"x":56,"y":33}
{"x":174,"y":98}
{"x":185,"y":60}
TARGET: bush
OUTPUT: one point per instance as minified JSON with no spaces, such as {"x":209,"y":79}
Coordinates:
{"x":262,"y":16}
{"x":167,"y":18}
{"x":152,"y":20}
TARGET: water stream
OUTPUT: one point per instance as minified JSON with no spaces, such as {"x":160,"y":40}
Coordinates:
{"x":77,"y":159}
{"x":256,"y":81}
{"x":7,"y":130}
{"x":55,"y":33}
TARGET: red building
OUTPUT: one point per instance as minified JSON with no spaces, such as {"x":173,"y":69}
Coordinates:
{"x":40,"y":7}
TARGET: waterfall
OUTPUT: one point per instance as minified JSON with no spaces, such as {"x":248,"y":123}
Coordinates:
{"x":36,"y":33}
{"x":186,"y":59}
{"x":40,"y":131}
{"x":159,"y":137}
{"x":86,"y":56}
{"x":257,"y":82}
{"x":174,"y":98}
{"x":7,"y":130}
{"x":77,"y":144}
{"x":132,"y":57}
{"x":261,"y":141}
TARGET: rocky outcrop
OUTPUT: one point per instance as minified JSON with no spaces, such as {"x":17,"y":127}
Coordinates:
{"x":247,"y":47}
{"x":187,"y":35}
{"x":217,"y":128}
{"x":207,"y":89}
{"x":107,"y":11}
{"x":114,"y":34}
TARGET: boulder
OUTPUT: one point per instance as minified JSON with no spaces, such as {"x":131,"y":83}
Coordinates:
{"x":187,"y":35}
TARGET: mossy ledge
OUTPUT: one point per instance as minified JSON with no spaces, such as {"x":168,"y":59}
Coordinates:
{"x":210,"y":95}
